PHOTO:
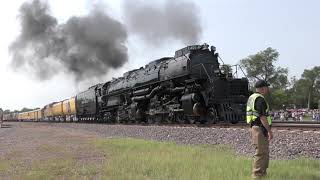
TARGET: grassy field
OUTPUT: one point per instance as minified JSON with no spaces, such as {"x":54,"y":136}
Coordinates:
{"x":140,"y":159}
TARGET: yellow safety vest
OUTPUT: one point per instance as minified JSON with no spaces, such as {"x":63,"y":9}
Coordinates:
{"x":252,"y":113}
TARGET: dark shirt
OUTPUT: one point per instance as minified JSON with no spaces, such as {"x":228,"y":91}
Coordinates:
{"x":260,"y":105}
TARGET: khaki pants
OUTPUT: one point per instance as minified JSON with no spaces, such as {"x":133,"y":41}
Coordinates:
{"x":261,"y":156}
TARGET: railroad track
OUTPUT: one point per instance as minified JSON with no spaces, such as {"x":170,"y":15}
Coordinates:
{"x":297,"y":126}
{"x":292,"y":126}
{"x":297,"y":122}
{"x":278,"y":125}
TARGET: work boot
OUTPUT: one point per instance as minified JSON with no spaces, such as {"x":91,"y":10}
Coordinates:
{"x":259,"y":176}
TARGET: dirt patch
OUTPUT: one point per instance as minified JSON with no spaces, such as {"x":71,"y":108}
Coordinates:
{"x":25,"y":147}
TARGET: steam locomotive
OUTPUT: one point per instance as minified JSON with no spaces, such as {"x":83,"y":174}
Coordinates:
{"x":190,"y":87}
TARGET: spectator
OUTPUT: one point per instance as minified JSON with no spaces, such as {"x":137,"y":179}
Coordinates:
{"x":281,"y":116}
{"x":301,"y":117}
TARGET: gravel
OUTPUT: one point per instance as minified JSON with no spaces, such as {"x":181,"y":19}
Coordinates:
{"x":285,"y":145}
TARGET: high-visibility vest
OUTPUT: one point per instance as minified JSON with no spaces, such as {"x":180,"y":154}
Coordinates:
{"x":252,"y":113}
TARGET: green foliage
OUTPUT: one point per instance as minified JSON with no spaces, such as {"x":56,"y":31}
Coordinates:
{"x":7,"y":111}
{"x":279,"y":99}
{"x":306,"y":91}
{"x":311,"y":80}
{"x":226,"y":68}
{"x":262,"y":66}
{"x":25,"y":109}
{"x":302,"y":93}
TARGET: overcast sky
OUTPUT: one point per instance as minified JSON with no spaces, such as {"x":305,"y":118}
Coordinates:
{"x":237,"y":28}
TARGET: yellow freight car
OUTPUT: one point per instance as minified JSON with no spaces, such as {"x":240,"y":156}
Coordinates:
{"x":34,"y":115}
{"x":23,"y":116}
{"x":69,"y":106}
{"x":69,"y":109}
{"x":38,"y":115}
{"x":31,"y":115}
{"x":47,"y":111}
{"x":57,"y":109}
{"x":20,"y":116}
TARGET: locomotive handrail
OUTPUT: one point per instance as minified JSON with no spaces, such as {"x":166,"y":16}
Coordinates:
{"x":205,"y":70}
{"x":236,"y":71}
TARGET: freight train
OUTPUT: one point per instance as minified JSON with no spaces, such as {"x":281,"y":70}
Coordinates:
{"x":191,"y":87}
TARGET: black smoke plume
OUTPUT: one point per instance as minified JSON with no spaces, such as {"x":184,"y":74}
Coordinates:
{"x":85,"y":47}
{"x":156,"y":23}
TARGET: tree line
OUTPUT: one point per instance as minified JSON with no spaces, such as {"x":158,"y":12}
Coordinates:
{"x":7,"y":111}
{"x":302,"y":92}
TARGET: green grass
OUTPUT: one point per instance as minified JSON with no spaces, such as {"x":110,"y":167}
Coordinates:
{"x":4,"y":166}
{"x":140,"y":159}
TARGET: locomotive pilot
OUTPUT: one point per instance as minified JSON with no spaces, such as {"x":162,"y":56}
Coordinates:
{"x":260,"y":122}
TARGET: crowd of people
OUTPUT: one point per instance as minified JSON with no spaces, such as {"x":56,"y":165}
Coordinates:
{"x":296,"y":114}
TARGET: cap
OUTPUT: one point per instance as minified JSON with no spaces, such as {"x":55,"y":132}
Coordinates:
{"x":261,"y":83}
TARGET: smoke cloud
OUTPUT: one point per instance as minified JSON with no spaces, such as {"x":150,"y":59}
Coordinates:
{"x":156,"y":23}
{"x":85,"y":47}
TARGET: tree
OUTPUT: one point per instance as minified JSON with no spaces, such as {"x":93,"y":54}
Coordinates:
{"x":305,"y":92}
{"x":311,"y":82}
{"x":279,"y":99}
{"x":7,"y":111}
{"x":299,"y":92}
{"x":261,"y":66}
{"x":25,"y":109}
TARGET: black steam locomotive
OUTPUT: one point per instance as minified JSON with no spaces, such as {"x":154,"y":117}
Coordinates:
{"x":187,"y":88}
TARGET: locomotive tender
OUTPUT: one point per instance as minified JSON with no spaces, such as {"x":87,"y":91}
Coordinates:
{"x":190,"y":87}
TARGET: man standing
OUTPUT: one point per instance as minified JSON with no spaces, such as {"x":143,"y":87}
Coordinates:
{"x":260,"y":122}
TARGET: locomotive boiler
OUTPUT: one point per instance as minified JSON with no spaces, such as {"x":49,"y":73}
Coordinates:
{"x":190,"y":87}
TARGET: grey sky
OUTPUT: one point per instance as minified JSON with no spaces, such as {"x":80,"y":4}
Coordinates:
{"x":237,"y":28}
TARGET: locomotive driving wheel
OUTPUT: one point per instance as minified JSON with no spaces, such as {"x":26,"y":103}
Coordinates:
{"x":212,"y":116}
{"x":177,"y":117}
